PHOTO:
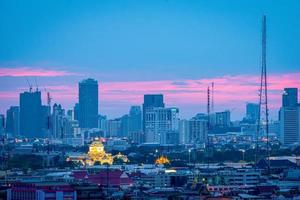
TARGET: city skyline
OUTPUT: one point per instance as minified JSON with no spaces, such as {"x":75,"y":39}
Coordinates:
{"x":115,"y":98}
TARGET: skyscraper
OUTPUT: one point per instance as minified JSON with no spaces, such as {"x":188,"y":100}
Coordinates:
{"x":12,"y":120}
{"x":135,"y":124}
{"x":152,"y":101}
{"x":162,"y":125}
{"x":290,"y":97}
{"x":31,"y":114}
{"x":223,"y":119}
{"x":2,"y":124}
{"x":252,"y":111}
{"x":58,"y":115}
{"x":88,"y":103}
{"x":290,"y":117}
{"x":184,"y":131}
{"x":198,"y":131}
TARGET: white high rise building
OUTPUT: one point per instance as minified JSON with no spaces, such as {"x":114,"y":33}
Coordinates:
{"x":162,"y":126}
{"x":184,"y":132}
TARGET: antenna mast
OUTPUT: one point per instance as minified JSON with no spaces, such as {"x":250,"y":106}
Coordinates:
{"x":263,"y":115}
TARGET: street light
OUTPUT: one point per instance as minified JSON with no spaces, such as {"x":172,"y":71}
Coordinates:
{"x":190,"y":156}
{"x":243,"y":152}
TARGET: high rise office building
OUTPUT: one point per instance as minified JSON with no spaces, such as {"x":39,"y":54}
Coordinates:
{"x":197,"y":131}
{"x":162,"y":125}
{"x":290,"y":117}
{"x":252,"y":111}
{"x":222,"y":119}
{"x":135,"y":124}
{"x":58,"y":115}
{"x":184,"y":132}
{"x":114,"y":127}
{"x":12,"y":121}
{"x":290,"y":97}
{"x":125,"y":120}
{"x":76,"y":111}
{"x":152,"y":101}
{"x":88,"y":103}
{"x":2,"y":124}
{"x":31,"y":114}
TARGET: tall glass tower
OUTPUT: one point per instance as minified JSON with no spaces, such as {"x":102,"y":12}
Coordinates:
{"x":88,"y":103}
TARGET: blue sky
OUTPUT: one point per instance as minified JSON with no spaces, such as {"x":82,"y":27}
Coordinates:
{"x":146,"y":40}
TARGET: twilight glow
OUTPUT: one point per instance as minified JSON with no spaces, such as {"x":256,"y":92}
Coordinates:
{"x":135,"y":47}
{"x":231,"y":92}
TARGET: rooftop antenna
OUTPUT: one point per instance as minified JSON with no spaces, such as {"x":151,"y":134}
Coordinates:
{"x":263,"y":114}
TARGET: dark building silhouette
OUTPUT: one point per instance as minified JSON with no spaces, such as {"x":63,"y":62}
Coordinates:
{"x":290,"y":117}
{"x":12,"y":120}
{"x":76,"y":111}
{"x":152,"y":101}
{"x":290,"y":97}
{"x":31,"y":114}
{"x":88,"y":103}
{"x":135,"y":124}
{"x":252,"y":111}
{"x":2,"y":125}
{"x":135,"y":115}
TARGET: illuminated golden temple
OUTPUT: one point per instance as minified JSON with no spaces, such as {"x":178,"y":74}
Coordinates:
{"x":162,"y":160}
{"x":97,"y":154}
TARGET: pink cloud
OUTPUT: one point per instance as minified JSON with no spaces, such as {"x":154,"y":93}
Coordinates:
{"x":231,"y":92}
{"x":27,"y":71}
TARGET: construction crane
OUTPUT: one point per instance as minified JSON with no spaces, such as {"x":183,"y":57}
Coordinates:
{"x":36,"y":85}
{"x":29,"y":84}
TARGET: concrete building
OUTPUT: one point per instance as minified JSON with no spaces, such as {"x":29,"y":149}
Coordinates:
{"x":184,"y":131}
{"x":2,"y":124}
{"x":290,"y":97}
{"x":88,"y":103}
{"x":103,"y":124}
{"x":124,"y":132}
{"x":222,"y":119}
{"x":252,"y":111}
{"x":13,"y":121}
{"x":114,"y":128}
{"x":197,"y":131}
{"x":289,"y":117}
{"x":162,"y":125}
{"x":58,"y":114}
{"x":289,"y":125}
{"x":135,"y":132}
{"x":152,"y":101}
{"x":31,"y":114}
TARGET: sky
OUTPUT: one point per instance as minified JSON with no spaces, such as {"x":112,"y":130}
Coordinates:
{"x":136,"y":47}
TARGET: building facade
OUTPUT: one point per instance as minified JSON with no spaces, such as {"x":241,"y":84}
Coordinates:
{"x":162,"y":125}
{"x":290,"y":117}
{"x":31,"y":114}
{"x":88,"y":103}
{"x":13,"y":121}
